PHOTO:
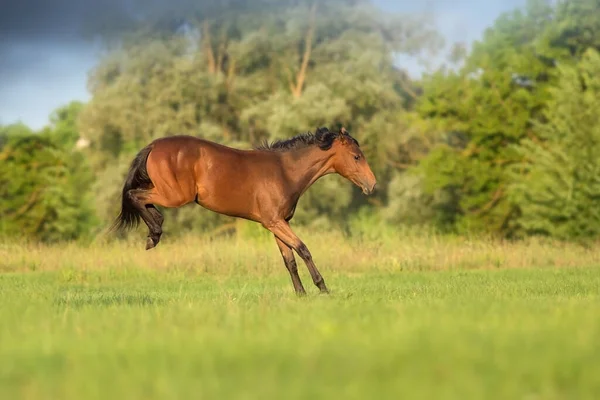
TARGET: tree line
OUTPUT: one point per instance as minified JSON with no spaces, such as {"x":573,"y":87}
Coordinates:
{"x":502,"y":140}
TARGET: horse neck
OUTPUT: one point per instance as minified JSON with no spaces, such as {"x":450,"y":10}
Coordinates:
{"x":305,"y":166}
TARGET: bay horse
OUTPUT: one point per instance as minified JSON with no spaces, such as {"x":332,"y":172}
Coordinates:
{"x":262,"y":185}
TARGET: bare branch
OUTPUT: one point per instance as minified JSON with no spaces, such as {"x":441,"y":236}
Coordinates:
{"x":222,"y":52}
{"x":489,"y":205}
{"x":208,"y":47}
{"x":301,"y":77}
{"x":408,"y":89}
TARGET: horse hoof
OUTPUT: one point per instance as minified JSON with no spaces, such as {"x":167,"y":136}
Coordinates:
{"x":150,"y":244}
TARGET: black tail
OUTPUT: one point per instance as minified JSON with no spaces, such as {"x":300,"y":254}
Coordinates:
{"x":137,"y":178}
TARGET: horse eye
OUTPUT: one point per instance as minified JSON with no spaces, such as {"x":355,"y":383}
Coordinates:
{"x":357,"y":157}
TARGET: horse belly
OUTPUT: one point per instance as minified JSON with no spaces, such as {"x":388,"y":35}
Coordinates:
{"x":228,"y":200}
{"x":225,"y":187}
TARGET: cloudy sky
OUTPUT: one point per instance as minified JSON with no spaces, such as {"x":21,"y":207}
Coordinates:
{"x":44,"y":61}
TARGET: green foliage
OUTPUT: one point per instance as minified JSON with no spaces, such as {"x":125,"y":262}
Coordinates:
{"x":17,"y":129}
{"x":409,"y":205}
{"x":557,"y":185}
{"x":64,"y":128}
{"x":248,"y":75}
{"x":484,"y":111}
{"x":44,"y":182}
{"x":42,"y":190}
{"x":504,"y":145}
{"x":574,"y":29}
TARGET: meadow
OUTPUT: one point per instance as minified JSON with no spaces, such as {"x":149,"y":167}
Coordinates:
{"x":409,"y":316}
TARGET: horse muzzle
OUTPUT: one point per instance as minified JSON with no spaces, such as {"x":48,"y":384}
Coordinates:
{"x":367,"y":189}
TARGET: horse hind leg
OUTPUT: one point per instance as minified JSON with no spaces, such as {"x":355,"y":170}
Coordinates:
{"x":150,"y":215}
{"x":159,"y":219}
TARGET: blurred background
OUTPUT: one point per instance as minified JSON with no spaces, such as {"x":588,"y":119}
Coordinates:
{"x":478,"y":118}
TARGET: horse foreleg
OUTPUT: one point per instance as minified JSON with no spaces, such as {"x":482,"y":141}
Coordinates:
{"x":282,"y":230}
{"x":290,"y":264}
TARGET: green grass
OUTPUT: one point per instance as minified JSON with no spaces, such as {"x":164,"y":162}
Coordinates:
{"x":220,"y":321}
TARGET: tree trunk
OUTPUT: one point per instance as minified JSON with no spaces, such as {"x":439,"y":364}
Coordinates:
{"x":298,"y":87}
{"x":210,"y":55}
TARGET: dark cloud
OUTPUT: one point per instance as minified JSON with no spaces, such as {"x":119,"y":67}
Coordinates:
{"x":34,"y":32}
{"x":45,"y":55}
{"x":47,"y":20}
{"x":40,"y":19}
{"x":53,"y":20}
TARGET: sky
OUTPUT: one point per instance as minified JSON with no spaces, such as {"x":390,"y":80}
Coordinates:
{"x":44,"y":60}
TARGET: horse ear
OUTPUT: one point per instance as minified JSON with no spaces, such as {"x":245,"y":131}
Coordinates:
{"x":343,"y":135}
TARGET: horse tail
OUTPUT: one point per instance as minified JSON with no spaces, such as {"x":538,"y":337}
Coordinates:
{"x":137,"y":178}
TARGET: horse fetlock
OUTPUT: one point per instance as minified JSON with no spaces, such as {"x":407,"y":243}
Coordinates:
{"x":322,"y":287}
{"x":319,"y":282}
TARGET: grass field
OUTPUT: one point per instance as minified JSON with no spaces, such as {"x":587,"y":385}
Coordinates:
{"x":408,"y":317}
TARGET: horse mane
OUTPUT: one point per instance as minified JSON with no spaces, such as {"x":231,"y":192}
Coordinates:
{"x":323,"y":138}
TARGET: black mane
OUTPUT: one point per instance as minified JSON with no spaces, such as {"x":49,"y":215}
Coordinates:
{"x":323,"y":138}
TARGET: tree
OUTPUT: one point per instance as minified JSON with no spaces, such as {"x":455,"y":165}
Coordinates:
{"x":64,"y":128}
{"x":574,"y":29}
{"x":481,"y":112}
{"x":44,"y":182}
{"x":247,"y":74}
{"x":41,"y":195}
{"x":557,"y":184}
